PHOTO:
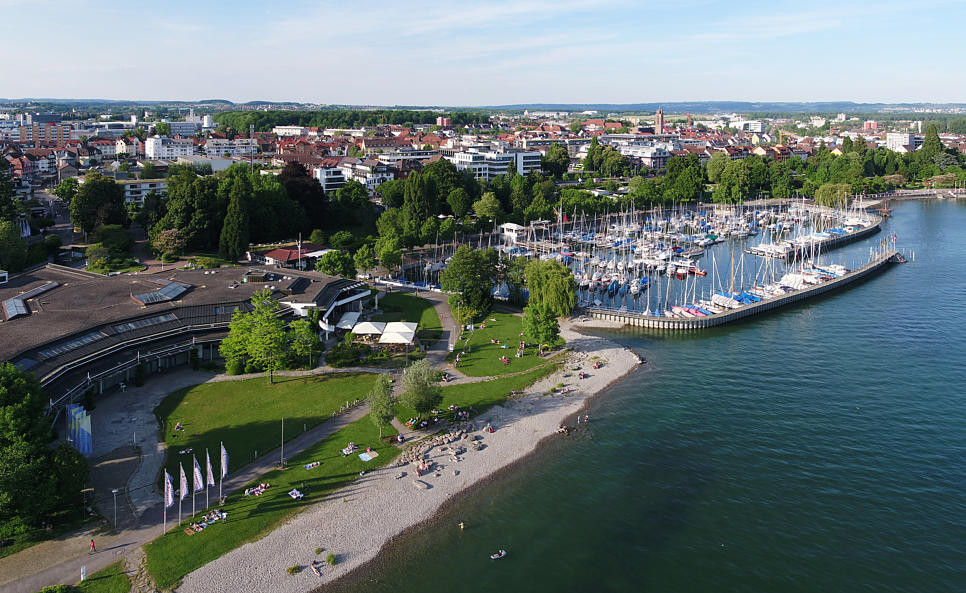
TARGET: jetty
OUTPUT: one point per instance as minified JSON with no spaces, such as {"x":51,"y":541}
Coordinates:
{"x":802,"y":247}
{"x":877,"y":264}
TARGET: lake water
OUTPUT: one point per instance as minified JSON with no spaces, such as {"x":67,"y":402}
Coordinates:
{"x":819,"y":448}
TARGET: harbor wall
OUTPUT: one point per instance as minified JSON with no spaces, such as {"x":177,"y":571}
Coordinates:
{"x":732,"y":315}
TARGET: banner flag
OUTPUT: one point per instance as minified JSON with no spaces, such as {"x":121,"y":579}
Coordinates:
{"x":224,"y":461}
{"x":199,"y":480}
{"x":168,"y":491}
{"x":184,"y":483}
{"x":210,"y":474}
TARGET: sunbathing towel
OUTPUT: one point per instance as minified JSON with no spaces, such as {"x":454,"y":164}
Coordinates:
{"x":312,"y":465}
{"x":367,"y":456}
{"x":189,"y":531}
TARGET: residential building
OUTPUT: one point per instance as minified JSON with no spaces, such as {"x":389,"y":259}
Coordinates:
{"x":444,"y":122}
{"x":128,"y":146}
{"x":653,"y":157}
{"x":231,"y":148}
{"x":165,"y":148}
{"x":106,"y":148}
{"x":902,"y":142}
{"x":136,"y":189}
{"x":369,"y":172}
{"x":870,"y":126}
{"x":490,"y":165}
{"x":44,"y":134}
{"x":330,"y":174}
{"x":283,"y":131}
{"x":184,"y":128}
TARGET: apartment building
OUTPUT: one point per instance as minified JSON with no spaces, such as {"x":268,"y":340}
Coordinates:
{"x":489,"y":165}
{"x":43,"y":134}
{"x":231,"y":148}
{"x":330,"y":174}
{"x":369,"y":172}
{"x":164,"y":148}
{"x":136,"y":189}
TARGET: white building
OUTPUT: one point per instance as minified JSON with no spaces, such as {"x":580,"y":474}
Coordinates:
{"x":136,"y":189}
{"x":164,"y":148}
{"x":330,"y":176}
{"x":131,"y":146}
{"x":283,"y":131}
{"x":490,"y":165}
{"x":653,"y":157}
{"x":369,"y":172}
{"x":902,"y":142}
{"x":231,"y":148}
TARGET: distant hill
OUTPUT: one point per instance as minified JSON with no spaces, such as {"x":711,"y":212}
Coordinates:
{"x":725,"y":107}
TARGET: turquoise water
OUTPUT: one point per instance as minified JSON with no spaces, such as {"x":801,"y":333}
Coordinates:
{"x":821,"y":448}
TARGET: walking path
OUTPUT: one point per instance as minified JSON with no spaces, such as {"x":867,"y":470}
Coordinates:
{"x":65,"y":556}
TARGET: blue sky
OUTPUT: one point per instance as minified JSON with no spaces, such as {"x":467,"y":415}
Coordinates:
{"x":496,"y":52}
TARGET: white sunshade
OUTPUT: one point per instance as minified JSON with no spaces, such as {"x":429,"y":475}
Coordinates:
{"x":368,"y":328}
{"x":348,"y":320}
{"x":397,"y":338}
{"x":401,"y":327}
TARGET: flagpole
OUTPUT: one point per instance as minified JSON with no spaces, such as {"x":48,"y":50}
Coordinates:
{"x":207,"y":461}
{"x":164,"y":518}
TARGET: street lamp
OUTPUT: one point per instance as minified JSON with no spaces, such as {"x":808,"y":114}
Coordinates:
{"x":114,"y":492}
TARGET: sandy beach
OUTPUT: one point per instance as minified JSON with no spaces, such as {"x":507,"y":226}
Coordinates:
{"x":355,"y":522}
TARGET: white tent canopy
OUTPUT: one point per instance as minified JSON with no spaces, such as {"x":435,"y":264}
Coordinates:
{"x":369,"y":328}
{"x":397,"y":338}
{"x":348,"y":320}
{"x":403,"y":327}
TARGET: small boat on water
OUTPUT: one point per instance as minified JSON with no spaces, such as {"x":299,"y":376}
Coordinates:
{"x":498,"y":555}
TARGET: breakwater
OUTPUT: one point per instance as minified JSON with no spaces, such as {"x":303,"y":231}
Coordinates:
{"x":801,"y":249}
{"x":877,"y":264}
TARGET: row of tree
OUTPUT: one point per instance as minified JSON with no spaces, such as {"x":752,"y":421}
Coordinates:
{"x":339,"y":118}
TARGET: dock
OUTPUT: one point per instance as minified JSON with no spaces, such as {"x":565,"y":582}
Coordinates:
{"x":789,"y":250}
{"x":877,"y":264}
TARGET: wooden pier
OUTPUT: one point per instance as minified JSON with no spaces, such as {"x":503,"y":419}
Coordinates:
{"x":880,"y":262}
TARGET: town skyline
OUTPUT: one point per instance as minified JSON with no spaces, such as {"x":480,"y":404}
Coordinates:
{"x":498,"y":54}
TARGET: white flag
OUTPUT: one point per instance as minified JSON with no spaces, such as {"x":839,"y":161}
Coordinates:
{"x":184,"y":483}
{"x":199,"y":481}
{"x":224,"y":461}
{"x":168,"y":491}
{"x":210,"y":474}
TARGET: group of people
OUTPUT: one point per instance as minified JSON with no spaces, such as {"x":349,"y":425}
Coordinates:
{"x":296,"y":494}
{"x":209,"y":518}
{"x":350,"y":449}
{"x":257,"y":490}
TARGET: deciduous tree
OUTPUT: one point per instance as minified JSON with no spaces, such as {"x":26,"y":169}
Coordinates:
{"x":380,"y":402}
{"x":421,"y":390}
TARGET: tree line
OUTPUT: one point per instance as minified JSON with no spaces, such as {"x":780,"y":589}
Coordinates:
{"x":264,"y":121}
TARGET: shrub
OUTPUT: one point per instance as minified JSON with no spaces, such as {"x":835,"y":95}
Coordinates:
{"x":169,"y":258}
{"x":318,"y":551}
{"x":330,"y":559}
{"x":294,"y":569}
{"x":139,"y":375}
{"x":235,"y":366}
{"x":251,"y":367}
{"x":59,"y":589}
{"x":211,"y":366}
{"x":345,"y":355}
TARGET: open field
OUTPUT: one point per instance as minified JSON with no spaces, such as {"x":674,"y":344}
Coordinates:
{"x":175,"y":554}
{"x":246,"y":415}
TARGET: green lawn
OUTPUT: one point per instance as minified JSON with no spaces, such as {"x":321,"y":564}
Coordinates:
{"x":398,"y":306}
{"x":112,"y":579}
{"x":246,"y":415}
{"x":483,"y":356}
{"x":175,"y":554}
{"x":483,"y":394}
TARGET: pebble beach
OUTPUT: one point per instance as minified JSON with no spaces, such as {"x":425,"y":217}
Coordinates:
{"x":355,"y":522}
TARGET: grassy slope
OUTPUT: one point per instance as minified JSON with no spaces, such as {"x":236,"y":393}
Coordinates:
{"x":483,"y":359}
{"x":483,"y":394}
{"x":246,"y":415}
{"x":399,"y":306}
{"x":112,"y":579}
{"x":176,"y":554}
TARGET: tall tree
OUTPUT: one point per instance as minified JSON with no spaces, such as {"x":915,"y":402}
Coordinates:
{"x":234,"y":233}
{"x":540,"y":324}
{"x":303,"y":340}
{"x":380,"y":402}
{"x":416,"y":206}
{"x":9,"y":208}
{"x":100,"y":200}
{"x":337,"y":263}
{"x":421,"y":390}
{"x":489,"y":207}
{"x":307,"y":192}
{"x":267,"y":343}
{"x":13,"y":247}
{"x":364,"y":258}
{"x":551,"y":284}
{"x":67,"y":189}
{"x":931,"y":144}
{"x":556,"y":161}
{"x":716,"y":166}
{"x":459,"y":202}
{"x":471,"y":274}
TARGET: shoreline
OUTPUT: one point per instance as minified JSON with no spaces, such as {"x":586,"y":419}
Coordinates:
{"x":401,"y":506}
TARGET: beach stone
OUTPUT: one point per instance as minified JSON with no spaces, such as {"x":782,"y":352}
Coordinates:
{"x":421,"y":484}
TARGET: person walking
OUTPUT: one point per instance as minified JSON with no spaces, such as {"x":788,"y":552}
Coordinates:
{"x":93,"y":549}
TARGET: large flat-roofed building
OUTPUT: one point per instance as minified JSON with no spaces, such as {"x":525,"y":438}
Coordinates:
{"x":489,"y":165}
{"x":164,"y":148}
{"x":75,"y":330}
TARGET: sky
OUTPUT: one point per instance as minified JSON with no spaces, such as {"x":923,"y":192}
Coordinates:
{"x":498,"y":52}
